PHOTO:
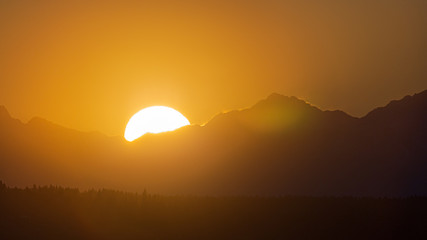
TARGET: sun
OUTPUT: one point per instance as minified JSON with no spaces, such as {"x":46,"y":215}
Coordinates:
{"x":155,"y":119}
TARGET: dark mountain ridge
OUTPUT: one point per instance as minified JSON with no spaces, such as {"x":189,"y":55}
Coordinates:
{"x":281,"y":145}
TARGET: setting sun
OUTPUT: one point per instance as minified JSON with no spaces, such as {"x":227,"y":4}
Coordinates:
{"x":217,"y":119}
{"x":154,"y":119}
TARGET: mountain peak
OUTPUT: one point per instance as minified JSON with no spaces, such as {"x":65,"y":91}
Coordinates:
{"x":3,"y":112}
{"x":284,"y":102}
{"x":276,"y":113}
{"x":39,"y":121}
{"x":275,"y":96}
{"x":279,"y":97}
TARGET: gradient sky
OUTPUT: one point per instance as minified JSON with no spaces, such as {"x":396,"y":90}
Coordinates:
{"x":90,"y":65}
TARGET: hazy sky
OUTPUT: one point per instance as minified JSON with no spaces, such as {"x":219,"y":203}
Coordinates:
{"x":90,"y":65}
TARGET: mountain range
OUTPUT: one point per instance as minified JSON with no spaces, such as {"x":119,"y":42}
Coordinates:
{"x":280,"y":146}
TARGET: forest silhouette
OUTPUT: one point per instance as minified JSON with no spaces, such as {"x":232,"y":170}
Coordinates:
{"x":52,"y":212}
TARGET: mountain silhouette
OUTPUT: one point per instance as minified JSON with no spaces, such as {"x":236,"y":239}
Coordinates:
{"x":281,"y":145}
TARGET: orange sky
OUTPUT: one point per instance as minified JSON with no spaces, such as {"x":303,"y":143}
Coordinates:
{"x":91,"y":66}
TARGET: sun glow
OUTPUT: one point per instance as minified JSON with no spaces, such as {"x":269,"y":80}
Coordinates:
{"x":154,"y":119}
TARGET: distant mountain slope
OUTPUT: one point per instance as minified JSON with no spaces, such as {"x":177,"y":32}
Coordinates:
{"x":281,"y":145}
{"x":405,"y":118}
